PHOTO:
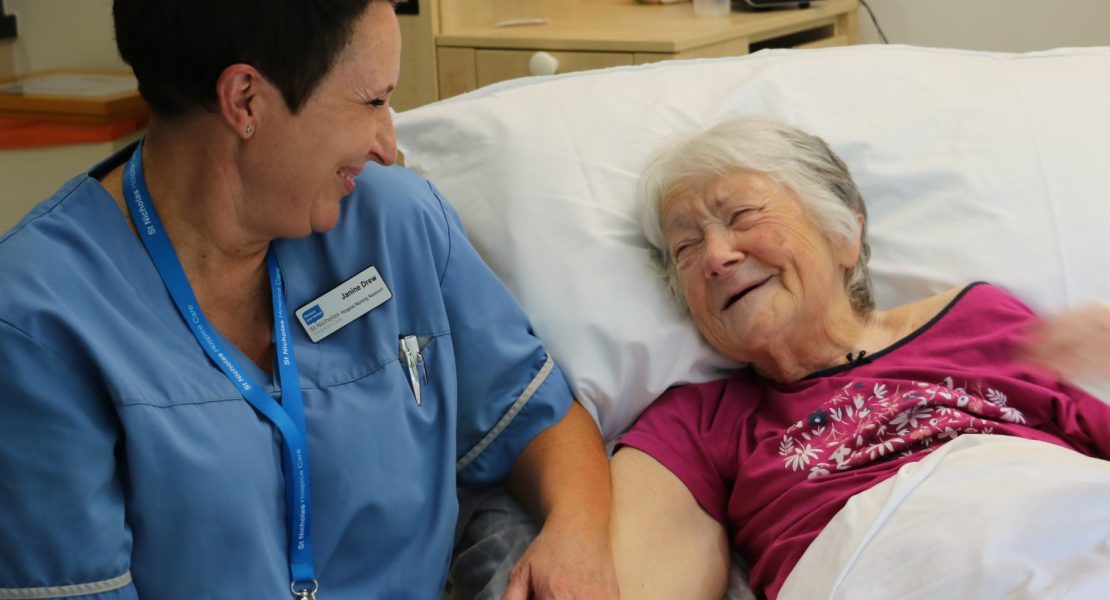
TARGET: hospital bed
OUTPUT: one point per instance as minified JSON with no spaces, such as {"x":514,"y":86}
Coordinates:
{"x":974,"y":166}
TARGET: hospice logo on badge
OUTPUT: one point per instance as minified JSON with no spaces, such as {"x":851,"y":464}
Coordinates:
{"x":313,"y":314}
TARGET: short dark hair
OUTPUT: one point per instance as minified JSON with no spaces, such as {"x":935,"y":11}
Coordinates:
{"x":178,"y":48}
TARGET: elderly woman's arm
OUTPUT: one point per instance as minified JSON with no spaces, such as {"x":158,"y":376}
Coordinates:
{"x":664,"y":545}
{"x":1076,"y":345}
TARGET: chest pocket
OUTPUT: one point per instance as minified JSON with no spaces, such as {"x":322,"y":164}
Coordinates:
{"x":410,"y":353}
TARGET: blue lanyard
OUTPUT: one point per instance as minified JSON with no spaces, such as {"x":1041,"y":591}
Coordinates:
{"x":288,"y":417}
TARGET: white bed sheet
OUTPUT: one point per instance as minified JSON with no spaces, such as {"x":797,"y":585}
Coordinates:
{"x":983,"y":517}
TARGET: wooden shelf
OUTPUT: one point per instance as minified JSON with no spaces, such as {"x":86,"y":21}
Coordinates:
{"x":71,"y":95}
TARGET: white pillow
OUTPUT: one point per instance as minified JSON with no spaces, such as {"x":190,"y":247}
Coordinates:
{"x":973,"y":165}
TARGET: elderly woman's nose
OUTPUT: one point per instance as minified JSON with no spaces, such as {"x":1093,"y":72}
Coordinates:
{"x":721,"y":254}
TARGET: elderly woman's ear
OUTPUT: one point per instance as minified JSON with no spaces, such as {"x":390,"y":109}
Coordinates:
{"x":848,"y":252}
{"x":848,"y":249}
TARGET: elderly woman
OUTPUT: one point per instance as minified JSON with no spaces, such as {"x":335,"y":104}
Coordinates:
{"x":762,"y":233}
{"x":245,"y":358}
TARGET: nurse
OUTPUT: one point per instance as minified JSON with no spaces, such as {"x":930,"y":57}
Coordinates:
{"x":247,"y":358}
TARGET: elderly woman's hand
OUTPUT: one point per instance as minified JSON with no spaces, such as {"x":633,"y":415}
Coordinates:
{"x":1074,"y":345}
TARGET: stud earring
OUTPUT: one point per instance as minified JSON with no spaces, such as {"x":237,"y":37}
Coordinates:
{"x":249,"y":129}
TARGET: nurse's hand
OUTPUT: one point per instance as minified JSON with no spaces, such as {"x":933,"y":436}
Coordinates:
{"x":562,"y":477}
{"x":565,"y":561}
{"x":1074,"y":345}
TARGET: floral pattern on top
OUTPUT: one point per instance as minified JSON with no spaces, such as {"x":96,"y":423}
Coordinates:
{"x":869,"y":422}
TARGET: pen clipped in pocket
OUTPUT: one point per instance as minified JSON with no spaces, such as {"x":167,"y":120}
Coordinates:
{"x":412,"y":359}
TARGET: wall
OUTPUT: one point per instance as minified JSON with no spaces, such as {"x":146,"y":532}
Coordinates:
{"x":63,"y":33}
{"x":52,"y":34}
{"x":7,"y":58}
{"x":995,"y":25}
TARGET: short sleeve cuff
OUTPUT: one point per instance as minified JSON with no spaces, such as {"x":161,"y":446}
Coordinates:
{"x":542,"y":403}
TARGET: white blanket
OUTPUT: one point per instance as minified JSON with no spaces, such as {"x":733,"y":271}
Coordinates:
{"x":983,"y":517}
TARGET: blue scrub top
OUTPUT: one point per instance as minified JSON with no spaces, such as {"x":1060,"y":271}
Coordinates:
{"x":131,"y":467}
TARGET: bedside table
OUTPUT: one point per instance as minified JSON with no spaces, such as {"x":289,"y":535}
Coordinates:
{"x":471,"y":52}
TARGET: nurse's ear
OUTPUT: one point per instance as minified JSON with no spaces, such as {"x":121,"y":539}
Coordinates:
{"x":244,"y":97}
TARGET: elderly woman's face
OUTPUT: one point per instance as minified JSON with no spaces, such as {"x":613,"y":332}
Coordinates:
{"x":751,"y":263}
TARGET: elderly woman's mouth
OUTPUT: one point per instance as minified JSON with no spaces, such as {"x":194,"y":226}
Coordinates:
{"x":744,"y":292}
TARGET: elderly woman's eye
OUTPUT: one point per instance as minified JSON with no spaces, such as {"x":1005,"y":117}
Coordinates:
{"x":739,"y":214}
{"x":376,"y":103}
{"x":679,"y":250}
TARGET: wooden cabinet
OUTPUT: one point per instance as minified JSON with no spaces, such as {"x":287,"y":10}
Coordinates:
{"x":465,"y":69}
{"x":469,"y":50}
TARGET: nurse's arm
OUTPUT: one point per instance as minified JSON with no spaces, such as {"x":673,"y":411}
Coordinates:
{"x":562,"y":477}
{"x":62,"y":521}
{"x":665,"y":545}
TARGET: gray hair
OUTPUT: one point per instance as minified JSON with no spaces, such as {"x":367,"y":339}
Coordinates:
{"x":785,"y":154}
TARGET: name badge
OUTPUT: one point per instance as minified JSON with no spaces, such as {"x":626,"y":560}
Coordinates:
{"x":345,"y":303}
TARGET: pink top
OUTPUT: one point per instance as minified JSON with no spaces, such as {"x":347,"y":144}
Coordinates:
{"x":774,"y":462}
